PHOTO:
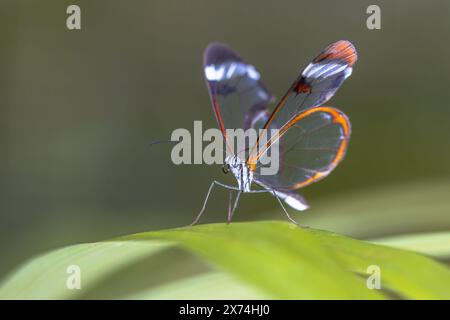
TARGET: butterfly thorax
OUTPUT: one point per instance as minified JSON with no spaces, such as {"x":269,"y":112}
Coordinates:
{"x":242,"y":172}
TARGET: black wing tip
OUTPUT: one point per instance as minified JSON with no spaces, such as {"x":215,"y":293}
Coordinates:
{"x":217,"y":52}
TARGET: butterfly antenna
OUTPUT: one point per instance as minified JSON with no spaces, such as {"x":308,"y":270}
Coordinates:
{"x":160,"y":142}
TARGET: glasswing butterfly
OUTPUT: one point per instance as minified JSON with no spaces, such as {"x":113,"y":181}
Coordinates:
{"x":312,"y":138}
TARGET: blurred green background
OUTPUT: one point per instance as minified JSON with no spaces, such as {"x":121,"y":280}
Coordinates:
{"x":78,"y":108}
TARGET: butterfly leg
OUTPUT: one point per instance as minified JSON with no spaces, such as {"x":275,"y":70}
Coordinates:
{"x":284,"y":209}
{"x":230,"y":213}
{"x":230,"y":201}
{"x":207,"y":197}
{"x":204,"y":204}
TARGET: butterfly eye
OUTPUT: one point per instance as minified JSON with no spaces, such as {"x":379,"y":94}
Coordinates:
{"x":225,"y":168}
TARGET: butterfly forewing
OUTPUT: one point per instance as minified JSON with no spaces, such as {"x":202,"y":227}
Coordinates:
{"x":317,"y":83}
{"x":238,"y":96}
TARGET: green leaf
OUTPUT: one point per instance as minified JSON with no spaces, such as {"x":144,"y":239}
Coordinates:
{"x":252,"y":260}
{"x":45,"y":276}
{"x":207,"y":286}
{"x":407,"y":273}
{"x":436,"y":244}
{"x":281,"y":259}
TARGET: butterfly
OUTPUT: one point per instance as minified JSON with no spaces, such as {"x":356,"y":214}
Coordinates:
{"x":312,"y":138}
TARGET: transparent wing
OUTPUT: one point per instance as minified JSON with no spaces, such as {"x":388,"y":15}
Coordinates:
{"x":311,"y":145}
{"x":238,"y":96}
{"x":317,"y":83}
